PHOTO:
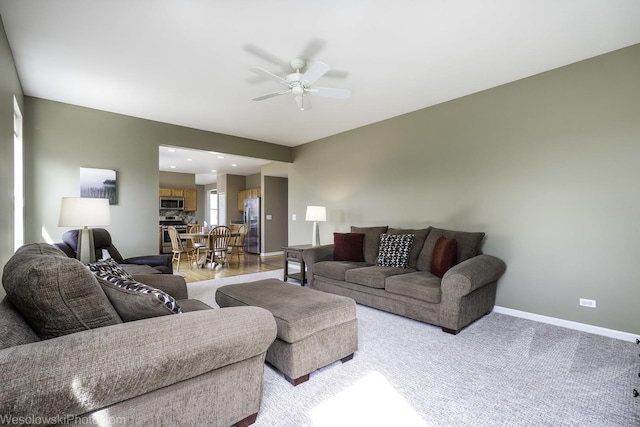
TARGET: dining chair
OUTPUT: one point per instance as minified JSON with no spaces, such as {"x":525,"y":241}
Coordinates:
{"x":178,"y":249}
{"x":237,"y":241}
{"x":199,"y":242}
{"x":219,"y":239}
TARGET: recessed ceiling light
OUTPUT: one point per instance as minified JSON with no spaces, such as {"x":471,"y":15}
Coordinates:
{"x":213,"y":170}
{"x":234,"y":165}
{"x":172,"y":167}
{"x":221,"y":157}
{"x":171,"y":150}
{"x":189,"y":160}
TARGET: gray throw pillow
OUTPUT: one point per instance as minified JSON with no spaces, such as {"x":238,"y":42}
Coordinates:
{"x":131,"y":299}
{"x":394,"y":250}
{"x":55,"y":294}
{"x":371,"y":241}
{"x":468,"y":245}
{"x":420,"y":234}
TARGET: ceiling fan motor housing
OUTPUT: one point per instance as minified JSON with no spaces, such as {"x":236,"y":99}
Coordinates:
{"x":295,"y":83}
{"x":298,"y":64}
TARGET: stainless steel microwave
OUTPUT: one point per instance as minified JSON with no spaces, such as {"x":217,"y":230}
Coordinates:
{"x":175,"y":203}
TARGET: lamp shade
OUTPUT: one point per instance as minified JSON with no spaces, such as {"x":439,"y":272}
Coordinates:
{"x":84,"y":212}
{"x":316,"y":213}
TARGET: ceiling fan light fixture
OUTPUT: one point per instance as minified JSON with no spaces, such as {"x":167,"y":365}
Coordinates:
{"x":299,"y":83}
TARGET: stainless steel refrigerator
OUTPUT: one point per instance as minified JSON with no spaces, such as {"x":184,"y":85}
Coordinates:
{"x":252,"y":219}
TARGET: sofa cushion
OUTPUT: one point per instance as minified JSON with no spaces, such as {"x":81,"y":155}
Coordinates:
{"x":371,"y":241}
{"x":373,"y":276}
{"x":189,"y":305}
{"x":348,"y":247}
{"x":394,"y":250}
{"x":445,"y":256}
{"x":335,"y":269}
{"x":420,"y":285}
{"x":131,"y":299}
{"x":55,"y":294}
{"x":419,"y":236}
{"x":468,"y":245}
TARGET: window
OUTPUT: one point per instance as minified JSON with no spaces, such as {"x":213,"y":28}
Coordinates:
{"x":213,"y":207}
{"x":18,"y":178}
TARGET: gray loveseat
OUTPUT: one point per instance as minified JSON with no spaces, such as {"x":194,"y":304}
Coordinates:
{"x":202,"y":367}
{"x":464,"y":293}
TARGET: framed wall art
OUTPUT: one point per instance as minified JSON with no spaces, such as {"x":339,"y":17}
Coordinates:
{"x":98,"y":183}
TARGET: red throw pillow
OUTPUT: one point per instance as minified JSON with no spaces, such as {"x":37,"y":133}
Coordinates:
{"x":348,"y":246}
{"x":445,"y":256}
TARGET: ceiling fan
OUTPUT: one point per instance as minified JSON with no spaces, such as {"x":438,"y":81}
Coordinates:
{"x":301,"y":84}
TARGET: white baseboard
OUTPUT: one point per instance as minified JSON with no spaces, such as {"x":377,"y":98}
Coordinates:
{"x":264,"y":254}
{"x":612,"y":333}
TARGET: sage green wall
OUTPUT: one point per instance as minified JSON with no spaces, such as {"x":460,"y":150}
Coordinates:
{"x":274,"y":202}
{"x":62,"y":138}
{"x":546,"y":166}
{"x":176,"y":180}
{"x":9,"y":87}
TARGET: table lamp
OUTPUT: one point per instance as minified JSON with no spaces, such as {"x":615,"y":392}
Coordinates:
{"x":316,"y":214}
{"x":84,"y":212}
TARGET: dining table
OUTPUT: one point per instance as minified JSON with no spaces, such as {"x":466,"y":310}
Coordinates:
{"x":198,"y":237}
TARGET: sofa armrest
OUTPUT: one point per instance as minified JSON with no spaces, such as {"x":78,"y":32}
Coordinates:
{"x":172,"y":284}
{"x":472,"y":274}
{"x":153,"y":261}
{"x":314,"y":255}
{"x":317,"y":254}
{"x":82,"y":372}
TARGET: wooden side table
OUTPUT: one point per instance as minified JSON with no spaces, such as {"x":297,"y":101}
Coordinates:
{"x":294,"y":254}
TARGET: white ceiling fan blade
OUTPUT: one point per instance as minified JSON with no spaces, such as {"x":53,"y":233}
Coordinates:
{"x":266,"y":74}
{"x":330,"y":92}
{"x":315,"y":71}
{"x":271,"y":95}
{"x":267,"y":56}
{"x":303,"y":102}
{"x":312,"y":49}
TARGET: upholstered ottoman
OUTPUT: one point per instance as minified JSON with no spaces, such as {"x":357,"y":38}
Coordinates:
{"x":314,"y":328}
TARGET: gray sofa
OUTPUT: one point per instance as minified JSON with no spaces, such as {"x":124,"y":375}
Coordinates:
{"x":200,"y":367}
{"x":464,"y":293}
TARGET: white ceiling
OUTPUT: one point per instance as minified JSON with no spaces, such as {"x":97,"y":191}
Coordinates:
{"x":207,"y":165}
{"x":186,"y":62}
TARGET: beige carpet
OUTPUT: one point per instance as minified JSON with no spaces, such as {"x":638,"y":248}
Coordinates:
{"x":499,"y":371}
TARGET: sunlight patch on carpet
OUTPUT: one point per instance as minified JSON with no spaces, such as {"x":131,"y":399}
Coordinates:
{"x":372,"y":401}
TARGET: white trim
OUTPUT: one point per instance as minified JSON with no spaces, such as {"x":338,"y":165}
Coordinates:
{"x":597,"y":330}
{"x":270,"y":254}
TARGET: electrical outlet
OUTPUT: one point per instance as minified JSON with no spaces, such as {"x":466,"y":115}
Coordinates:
{"x":588,"y":302}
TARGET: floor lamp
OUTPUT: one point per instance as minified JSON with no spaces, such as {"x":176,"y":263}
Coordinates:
{"x":84,"y":212}
{"x":316,"y":214}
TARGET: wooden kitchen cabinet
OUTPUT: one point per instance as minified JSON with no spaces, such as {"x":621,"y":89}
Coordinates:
{"x":190,"y":199}
{"x":171,"y":192}
{"x":242,"y":194}
{"x":249,"y":193}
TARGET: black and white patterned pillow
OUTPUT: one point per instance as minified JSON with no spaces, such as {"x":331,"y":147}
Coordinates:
{"x":131,"y":299}
{"x":394,"y":250}
{"x":109,"y":267}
